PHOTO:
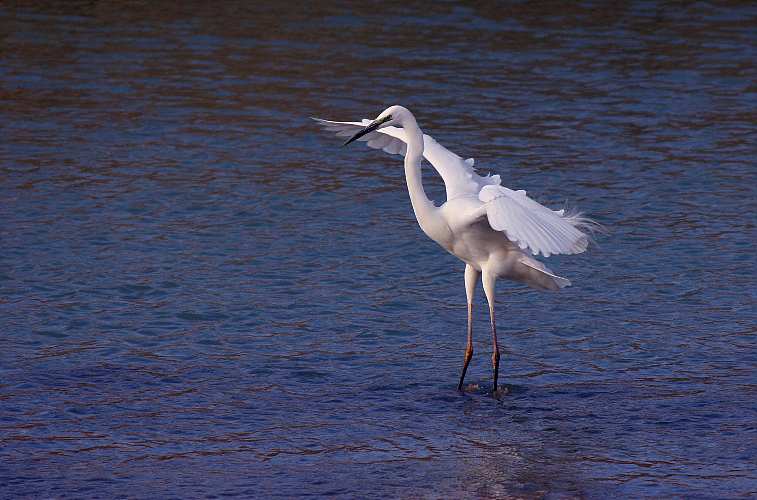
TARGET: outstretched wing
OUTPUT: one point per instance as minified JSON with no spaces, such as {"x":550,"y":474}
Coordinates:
{"x":459,"y":175}
{"x":392,"y":142}
{"x":531,"y":225}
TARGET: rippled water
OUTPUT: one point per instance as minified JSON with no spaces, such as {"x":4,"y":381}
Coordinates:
{"x":201,"y":294}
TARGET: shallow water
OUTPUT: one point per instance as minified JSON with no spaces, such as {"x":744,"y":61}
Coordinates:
{"x":202,"y":294}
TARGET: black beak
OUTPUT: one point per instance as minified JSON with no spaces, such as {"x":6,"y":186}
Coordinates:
{"x":367,"y":130}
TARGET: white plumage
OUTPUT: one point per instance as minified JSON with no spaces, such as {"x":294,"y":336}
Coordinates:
{"x":458,"y":174}
{"x":524,"y":221}
{"x":488,"y":226}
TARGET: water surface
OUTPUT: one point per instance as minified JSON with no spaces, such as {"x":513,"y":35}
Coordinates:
{"x":203,"y":295}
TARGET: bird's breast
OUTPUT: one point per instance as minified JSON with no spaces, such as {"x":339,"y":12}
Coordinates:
{"x":439,"y":231}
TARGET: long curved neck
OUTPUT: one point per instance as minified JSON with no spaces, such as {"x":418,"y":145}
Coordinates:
{"x":422,"y":206}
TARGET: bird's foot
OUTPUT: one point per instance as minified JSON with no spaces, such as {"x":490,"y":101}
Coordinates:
{"x":499,"y":392}
{"x":468,"y":388}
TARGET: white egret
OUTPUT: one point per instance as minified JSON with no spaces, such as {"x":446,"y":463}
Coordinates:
{"x":486,"y":225}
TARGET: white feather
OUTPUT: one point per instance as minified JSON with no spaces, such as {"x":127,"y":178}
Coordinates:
{"x":479,"y":216}
{"x":459,"y":176}
{"x":530,"y":224}
{"x":526,"y":223}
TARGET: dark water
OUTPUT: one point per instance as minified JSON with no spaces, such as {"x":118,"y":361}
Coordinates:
{"x":201,"y":294}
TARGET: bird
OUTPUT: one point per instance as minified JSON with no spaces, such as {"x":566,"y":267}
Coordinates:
{"x":496,"y":231}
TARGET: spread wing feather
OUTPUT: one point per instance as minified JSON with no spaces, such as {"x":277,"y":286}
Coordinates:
{"x":525,"y":222}
{"x":531,"y":225}
{"x":459,"y":176}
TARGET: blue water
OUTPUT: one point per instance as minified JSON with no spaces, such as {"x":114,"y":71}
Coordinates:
{"x":203,"y":295}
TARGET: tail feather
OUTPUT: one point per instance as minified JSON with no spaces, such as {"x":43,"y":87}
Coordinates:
{"x":542,"y":277}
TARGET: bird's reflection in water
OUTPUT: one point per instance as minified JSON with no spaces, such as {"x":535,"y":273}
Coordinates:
{"x":504,"y":461}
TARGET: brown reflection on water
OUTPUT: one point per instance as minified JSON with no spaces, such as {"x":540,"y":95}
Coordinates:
{"x":202,"y":294}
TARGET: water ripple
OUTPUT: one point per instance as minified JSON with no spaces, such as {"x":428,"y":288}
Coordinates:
{"x":202,"y":295}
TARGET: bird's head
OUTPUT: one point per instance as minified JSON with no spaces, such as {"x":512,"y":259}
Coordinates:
{"x":391,"y":116}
